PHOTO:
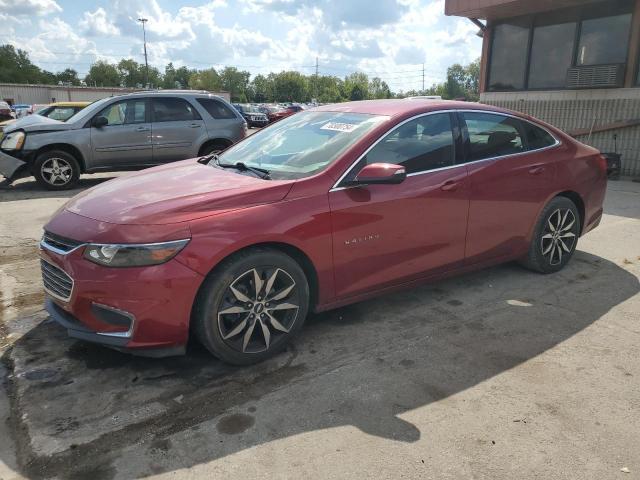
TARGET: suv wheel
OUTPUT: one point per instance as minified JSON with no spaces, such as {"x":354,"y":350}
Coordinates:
{"x":56,"y":170}
{"x":555,"y":237}
{"x":251,"y":307}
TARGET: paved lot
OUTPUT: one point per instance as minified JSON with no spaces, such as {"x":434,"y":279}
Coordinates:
{"x":502,"y":373}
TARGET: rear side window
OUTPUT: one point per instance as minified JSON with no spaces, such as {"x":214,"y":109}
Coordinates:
{"x":537,"y":137}
{"x":216,"y":109}
{"x":173,"y":110}
{"x":419,"y":145}
{"x":491,"y":135}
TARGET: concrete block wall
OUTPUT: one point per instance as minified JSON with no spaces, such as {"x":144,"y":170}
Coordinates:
{"x":577,"y":109}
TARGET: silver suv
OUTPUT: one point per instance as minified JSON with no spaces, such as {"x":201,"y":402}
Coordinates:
{"x":119,"y":133}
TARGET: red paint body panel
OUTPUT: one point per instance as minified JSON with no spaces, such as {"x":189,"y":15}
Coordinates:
{"x":360,"y":241}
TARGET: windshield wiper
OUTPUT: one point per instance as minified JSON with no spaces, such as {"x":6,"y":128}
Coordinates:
{"x":207,"y":158}
{"x":260,"y":172}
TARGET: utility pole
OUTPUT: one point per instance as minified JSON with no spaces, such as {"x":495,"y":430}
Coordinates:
{"x":146,"y":63}
{"x":423,"y":78}
{"x":315,"y":83}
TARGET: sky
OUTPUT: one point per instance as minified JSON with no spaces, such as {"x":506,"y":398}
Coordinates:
{"x":390,"y":39}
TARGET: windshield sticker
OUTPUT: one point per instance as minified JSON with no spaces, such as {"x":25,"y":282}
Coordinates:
{"x":339,"y":127}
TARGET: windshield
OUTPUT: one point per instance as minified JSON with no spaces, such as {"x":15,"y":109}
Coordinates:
{"x":58,"y":112}
{"x":303,"y":144}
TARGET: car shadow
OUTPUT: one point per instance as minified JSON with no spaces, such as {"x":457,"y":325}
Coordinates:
{"x":28,"y":189}
{"x":364,"y":365}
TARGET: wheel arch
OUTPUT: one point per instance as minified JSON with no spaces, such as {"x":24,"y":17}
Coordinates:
{"x":578,"y":202}
{"x":215,"y":141}
{"x":294,"y":252}
{"x":65,"y":147}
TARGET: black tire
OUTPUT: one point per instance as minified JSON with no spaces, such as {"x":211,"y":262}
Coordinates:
{"x":67,"y":174}
{"x":555,"y":237}
{"x":212,"y":148}
{"x":225,"y":334}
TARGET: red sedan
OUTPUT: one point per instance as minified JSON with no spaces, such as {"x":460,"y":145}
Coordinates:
{"x":328,"y":207}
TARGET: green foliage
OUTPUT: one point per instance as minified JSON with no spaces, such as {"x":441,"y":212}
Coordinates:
{"x":287,"y":86}
{"x":15,"y":67}
{"x":204,"y":80}
{"x":103,"y":74}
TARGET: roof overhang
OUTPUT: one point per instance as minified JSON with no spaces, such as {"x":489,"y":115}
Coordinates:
{"x":497,"y":9}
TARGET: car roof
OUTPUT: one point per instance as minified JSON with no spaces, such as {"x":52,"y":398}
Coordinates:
{"x":401,"y":107}
{"x":69,"y":104}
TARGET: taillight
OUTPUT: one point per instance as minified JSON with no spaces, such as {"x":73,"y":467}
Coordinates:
{"x":602,"y":164}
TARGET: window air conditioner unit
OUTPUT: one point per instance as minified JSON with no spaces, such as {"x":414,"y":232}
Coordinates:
{"x":596,"y":76}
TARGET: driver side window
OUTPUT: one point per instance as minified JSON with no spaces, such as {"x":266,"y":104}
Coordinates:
{"x":423,"y":144}
{"x":128,"y":111}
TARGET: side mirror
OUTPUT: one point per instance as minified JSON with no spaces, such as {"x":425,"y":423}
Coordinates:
{"x":381,"y":173}
{"x":99,"y":122}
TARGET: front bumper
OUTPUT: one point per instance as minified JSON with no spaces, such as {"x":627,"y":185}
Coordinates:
{"x":12,"y":167}
{"x":156,"y":299}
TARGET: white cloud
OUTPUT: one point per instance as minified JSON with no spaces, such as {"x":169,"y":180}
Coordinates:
{"x":29,"y":7}
{"x":97,"y":24}
{"x":390,"y":39}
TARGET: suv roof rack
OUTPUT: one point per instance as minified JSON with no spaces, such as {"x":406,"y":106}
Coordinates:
{"x":173,"y":91}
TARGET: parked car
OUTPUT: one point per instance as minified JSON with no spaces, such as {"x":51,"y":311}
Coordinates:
{"x":5,"y":111}
{"x":21,"y":110}
{"x":62,"y":111}
{"x":273,"y":113}
{"x":253,"y":116}
{"x":326,"y":208}
{"x":120,"y":133}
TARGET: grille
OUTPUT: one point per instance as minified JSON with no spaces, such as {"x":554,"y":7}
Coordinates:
{"x":56,"y":282}
{"x":59,"y":243}
{"x":596,"y":76}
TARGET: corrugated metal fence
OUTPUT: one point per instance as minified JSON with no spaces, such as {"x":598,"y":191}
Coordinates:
{"x":573,"y":110}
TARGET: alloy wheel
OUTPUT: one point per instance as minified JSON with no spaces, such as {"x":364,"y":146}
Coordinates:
{"x":559,"y":235}
{"x":56,"y":171}
{"x":257,"y":309}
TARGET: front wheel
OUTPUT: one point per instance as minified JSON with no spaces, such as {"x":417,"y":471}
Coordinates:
{"x":555,"y":237}
{"x":56,"y":170}
{"x":251,"y":306}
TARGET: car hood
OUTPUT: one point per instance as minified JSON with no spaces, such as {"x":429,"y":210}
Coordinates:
{"x":34,"y":123}
{"x":173,"y":193}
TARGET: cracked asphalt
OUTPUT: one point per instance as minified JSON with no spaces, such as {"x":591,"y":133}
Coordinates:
{"x":498,"y":374}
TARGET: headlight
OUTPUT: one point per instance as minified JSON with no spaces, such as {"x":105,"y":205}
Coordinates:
{"x":13,"y":141}
{"x":133,"y":255}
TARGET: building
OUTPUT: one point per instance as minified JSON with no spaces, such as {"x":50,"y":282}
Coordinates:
{"x":15,"y":93}
{"x":572,"y":63}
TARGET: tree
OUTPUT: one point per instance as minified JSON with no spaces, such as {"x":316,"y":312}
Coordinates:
{"x":176,"y":78}
{"x":235,"y":82}
{"x":15,"y":67}
{"x":379,"y":89}
{"x":103,"y":74}
{"x":131,"y":73}
{"x":205,"y":80}
{"x":356,"y":86}
{"x":290,"y":86}
{"x":68,"y":77}
{"x":329,"y":89}
{"x":261,"y":89}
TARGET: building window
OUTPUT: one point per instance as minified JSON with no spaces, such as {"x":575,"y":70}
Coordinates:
{"x":509,"y":55}
{"x":604,"y":40}
{"x":551,"y":55}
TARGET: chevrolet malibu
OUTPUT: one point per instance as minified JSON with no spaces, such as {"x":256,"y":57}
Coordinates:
{"x":328,"y":207}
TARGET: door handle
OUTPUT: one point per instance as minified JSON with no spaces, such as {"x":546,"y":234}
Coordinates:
{"x":450,"y":186}
{"x":537,"y":170}
{"x":142,"y":129}
{"x":194,"y":125}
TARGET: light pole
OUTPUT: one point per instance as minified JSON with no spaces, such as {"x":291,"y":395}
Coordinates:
{"x":146,"y":63}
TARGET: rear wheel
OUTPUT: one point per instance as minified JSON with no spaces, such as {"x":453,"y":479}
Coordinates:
{"x":555,"y":237}
{"x":252,"y":306}
{"x":56,"y":170}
